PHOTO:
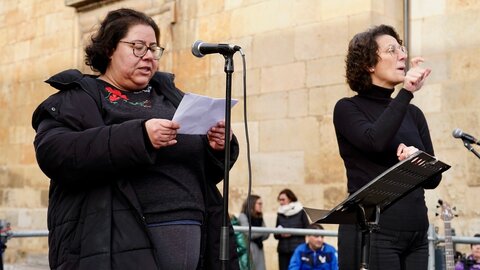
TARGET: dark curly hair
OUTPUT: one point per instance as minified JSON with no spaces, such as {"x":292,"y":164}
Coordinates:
{"x":113,"y":28}
{"x":363,"y":54}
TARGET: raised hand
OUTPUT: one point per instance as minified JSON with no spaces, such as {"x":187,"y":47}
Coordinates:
{"x":416,"y":75}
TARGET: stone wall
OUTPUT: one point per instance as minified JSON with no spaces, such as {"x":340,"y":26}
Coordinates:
{"x":295,"y":53}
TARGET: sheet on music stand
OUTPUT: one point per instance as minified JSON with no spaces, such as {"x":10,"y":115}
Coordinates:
{"x":385,"y":189}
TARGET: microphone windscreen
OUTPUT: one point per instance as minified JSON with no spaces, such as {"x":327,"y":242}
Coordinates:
{"x":196,"y":48}
{"x":457,"y":133}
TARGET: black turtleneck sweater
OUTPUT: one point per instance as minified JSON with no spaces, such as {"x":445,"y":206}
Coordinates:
{"x":369,"y":128}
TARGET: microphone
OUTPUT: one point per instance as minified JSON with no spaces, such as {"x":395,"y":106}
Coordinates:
{"x":459,"y":134}
{"x":200,"y":48}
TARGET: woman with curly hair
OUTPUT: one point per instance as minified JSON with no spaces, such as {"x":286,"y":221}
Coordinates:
{"x":127,"y":190}
{"x":375,"y":131}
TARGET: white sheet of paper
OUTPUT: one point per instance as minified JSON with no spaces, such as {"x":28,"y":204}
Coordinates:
{"x":196,"y":114}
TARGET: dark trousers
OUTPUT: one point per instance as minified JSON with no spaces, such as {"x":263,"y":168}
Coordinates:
{"x":284,"y":260}
{"x":392,"y":250}
{"x":178,"y":246}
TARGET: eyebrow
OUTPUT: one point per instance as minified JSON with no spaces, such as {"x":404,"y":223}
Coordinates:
{"x":143,"y":41}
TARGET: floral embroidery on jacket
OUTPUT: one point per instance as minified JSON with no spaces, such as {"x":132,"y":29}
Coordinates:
{"x":115,"y":95}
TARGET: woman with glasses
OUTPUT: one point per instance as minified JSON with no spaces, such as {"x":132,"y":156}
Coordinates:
{"x":127,"y":191}
{"x":374,"y":132}
{"x":252,"y":215}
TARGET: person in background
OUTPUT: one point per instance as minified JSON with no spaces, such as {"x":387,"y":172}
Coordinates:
{"x":374,"y":132}
{"x":315,"y":254}
{"x":290,"y":214}
{"x":241,"y":244}
{"x":252,"y":207}
{"x":127,"y":191}
{"x":472,"y":261}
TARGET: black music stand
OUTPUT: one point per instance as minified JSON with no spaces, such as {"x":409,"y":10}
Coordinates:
{"x":365,"y":206}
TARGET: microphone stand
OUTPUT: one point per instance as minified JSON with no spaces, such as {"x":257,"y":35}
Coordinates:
{"x":225,"y":230}
{"x":470,"y":148}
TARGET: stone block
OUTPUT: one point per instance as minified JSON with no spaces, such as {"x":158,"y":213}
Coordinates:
{"x":215,"y":27}
{"x":310,"y":195}
{"x":12,"y":177}
{"x":326,"y":71}
{"x":473,"y":172}
{"x":32,"y":219}
{"x":187,"y":67}
{"x":253,"y":83}
{"x":261,"y":17}
{"x":34,"y":177}
{"x":26,"y":31}
{"x":21,"y":50}
{"x":21,"y":198}
{"x":3,"y":37}
{"x":428,"y":8}
{"x":298,"y":103}
{"x":273,"y":48}
{"x":323,"y":162}
{"x":321,"y":39}
{"x":59,"y":22}
{"x":441,"y":126}
{"x":457,"y":6}
{"x":306,"y":11}
{"x":232,"y":4}
{"x":345,"y":8}
{"x":460,"y":96}
{"x":6,"y":6}
{"x":429,"y":99}
{"x":439,"y":63}
{"x":268,"y":106}
{"x":9,"y":51}
{"x":283,"y":77}
{"x":296,"y":134}
{"x":277,"y":168}
{"x":209,"y":8}
{"x":322,"y":100}
{"x":463,"y":65}
{"x":45,"y":7}
{"x":333,"y":195}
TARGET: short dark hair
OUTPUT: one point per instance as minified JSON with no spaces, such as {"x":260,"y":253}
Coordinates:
{"x":363,"y":54}
{"x":315,"y":226}
{"x":112,"y":29}
{"x":476,"y":235}
{"x":289,"y":193}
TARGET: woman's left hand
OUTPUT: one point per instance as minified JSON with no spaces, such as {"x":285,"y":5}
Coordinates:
{"x":216,"y":136}
{"x":416,"y":75}
{"x":404,"y":151}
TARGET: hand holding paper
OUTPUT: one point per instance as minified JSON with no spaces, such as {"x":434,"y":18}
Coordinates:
{"x":196,"y":114}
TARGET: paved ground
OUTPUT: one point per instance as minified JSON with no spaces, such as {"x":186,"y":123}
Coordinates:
{"x":37,"y":262}
{"x":25,"y":267}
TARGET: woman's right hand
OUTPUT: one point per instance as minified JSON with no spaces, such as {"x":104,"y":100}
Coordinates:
{"x":161,"y":132}
{"x":416,"y":75}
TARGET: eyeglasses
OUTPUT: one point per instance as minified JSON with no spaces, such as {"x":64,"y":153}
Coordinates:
{"x":393,"y":50}
{"x":140,"y":48}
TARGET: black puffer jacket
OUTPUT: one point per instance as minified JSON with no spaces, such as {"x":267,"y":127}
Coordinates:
{"x":295,"y":218}
{"x":94,"y":217}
